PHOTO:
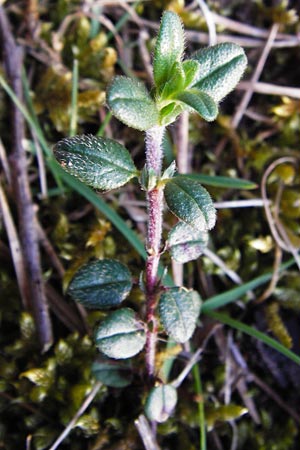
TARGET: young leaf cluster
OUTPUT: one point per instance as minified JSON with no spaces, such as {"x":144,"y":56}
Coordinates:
{"x":197,"y":84}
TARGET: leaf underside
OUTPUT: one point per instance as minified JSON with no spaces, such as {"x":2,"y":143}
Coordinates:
{"x":179,"y":309}
{"x":160,"y":403}
{"x":186,"y":243}
{"x":120,"y":335}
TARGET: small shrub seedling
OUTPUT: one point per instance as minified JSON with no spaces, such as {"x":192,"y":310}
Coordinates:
{"x":196,"y":84}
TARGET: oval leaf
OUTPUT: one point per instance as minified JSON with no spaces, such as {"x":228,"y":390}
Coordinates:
{"x":200,"y":102}
{"x":222,"y":66}
{"x":161,"y":403}
{"x":169,"y":47}
{"x":131,"y":103}
{"x":190,"y":202}
{"x":121,"y":335}
{"x":101,"y":284}
{"x":112,"y":373}
{"x":186,"y":243}
{"x":179,"y":309}
{"x":96,"y":161}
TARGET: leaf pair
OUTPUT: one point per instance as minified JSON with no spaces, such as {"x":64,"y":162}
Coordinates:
{"x":104,"y":284}
{"x":197,"y":84}
{"x":192,"y":204}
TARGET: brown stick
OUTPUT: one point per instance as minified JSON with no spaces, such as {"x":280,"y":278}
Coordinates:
{"x":15,"y":249}
{"x":26,"y":214}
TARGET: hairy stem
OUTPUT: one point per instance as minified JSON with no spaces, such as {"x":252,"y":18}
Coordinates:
{"x":154,"y":152}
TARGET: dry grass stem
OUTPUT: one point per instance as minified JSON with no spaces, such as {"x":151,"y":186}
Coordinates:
{"x":79,"y":413}
{"x":146,"y":433}
{"x":15,"y":248}
{"x":13,"y":59}
{"x":255,"y":77}
{"x":270,"y":89}
{"x":210,"y":22}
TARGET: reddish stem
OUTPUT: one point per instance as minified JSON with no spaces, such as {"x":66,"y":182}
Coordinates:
{"x":154,"y":138}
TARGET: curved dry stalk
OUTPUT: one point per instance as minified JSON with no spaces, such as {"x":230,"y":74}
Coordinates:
{"x":275,"y":276}
{"x":276,"y":228}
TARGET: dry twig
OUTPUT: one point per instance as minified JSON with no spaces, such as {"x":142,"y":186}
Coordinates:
{"x":26,"y":214}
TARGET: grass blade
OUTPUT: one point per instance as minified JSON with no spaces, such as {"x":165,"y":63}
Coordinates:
{"x":223,"y":182}
{"x":201,"y":413}
{"x":217,"y":301}
{"x":74,"y":99}
{"x":224,"y":318}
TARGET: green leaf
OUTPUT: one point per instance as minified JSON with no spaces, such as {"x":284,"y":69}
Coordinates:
{"x":101,"y":284}
{"x":222,"y":182}
{"x":220,"y":300}
{"x":200,"y":102}
{"x":161,"y":403}
{"x":223,"y":413}
{"x":190,"y":202}
{"x":179,"y":309}
{"x":170,"y":171}
{"x":175,"y":83}
{"x":131,"y":103}
{"x":96,"y":161}
{"x":112,"y":373}
{"x":148,"y":178}
{"x":170,"y":112}
{"x":251,"y":331}
{"x":186,"y":243}
{"x":222,"y":66}
{"x":191,"y":70}
{"x":169,"y":47}
{"x":121,"y":335}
